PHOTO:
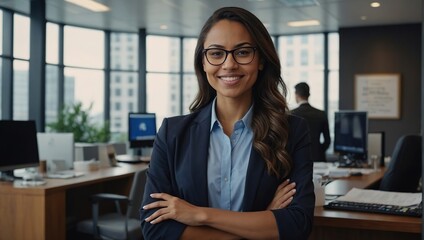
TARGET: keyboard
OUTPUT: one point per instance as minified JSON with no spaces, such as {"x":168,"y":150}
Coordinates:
{"x":413,"y":211}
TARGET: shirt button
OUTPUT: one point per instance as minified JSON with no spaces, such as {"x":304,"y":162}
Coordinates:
{"x":225,"y":179}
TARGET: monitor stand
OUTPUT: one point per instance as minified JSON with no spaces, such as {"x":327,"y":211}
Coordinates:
{"x":138,"y":155}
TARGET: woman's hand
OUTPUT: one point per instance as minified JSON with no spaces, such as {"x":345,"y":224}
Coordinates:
{"x":171,"y":207}
{"x":283,"y":196}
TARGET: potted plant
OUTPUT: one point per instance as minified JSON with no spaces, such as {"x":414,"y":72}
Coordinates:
{"x":73,"y":118}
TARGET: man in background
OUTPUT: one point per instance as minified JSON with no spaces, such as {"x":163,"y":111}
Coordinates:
{"x":317,"y":121}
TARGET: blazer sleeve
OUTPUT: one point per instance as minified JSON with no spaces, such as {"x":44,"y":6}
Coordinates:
{"x":296,"y":220}
{"x":159,"y":180}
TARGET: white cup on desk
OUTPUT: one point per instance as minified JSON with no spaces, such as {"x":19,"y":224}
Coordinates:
{"x":319,"y":190}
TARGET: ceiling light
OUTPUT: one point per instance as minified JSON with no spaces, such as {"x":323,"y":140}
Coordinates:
{"x":375,"y":4}
{"x":163,"y":27}
{"x":90,"y":5}
{"x":363,"y":17}
{"x":305,"y":23}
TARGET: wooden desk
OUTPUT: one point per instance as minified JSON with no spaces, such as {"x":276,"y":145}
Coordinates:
{"x":43,"y":212}
{"x":335,"y":224}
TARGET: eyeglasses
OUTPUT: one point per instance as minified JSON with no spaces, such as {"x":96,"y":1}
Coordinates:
{"x":242,"y":55}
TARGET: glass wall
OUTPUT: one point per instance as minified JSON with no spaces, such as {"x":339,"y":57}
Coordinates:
{"x":333,"y":81}
{"x":190,"y":86}
{"x":1,"y":62}
{"x":79,"y":73}
{"x":21,"y":67}
{"x":302,"y":60}
{"x":123,"y":82}
{"x":52,"y":88}
{"x":84,"y":59}
{"x":163,"y":76}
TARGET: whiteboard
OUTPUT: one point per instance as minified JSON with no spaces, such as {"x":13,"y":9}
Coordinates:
{"x":378,"y":94}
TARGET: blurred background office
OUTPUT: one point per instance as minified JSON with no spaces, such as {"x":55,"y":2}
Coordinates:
{"x":137,"y":56}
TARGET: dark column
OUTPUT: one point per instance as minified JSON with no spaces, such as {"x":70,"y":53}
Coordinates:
{"x":37,"y":72}
{"x":142,"y":104}
{"x":7,"y":67}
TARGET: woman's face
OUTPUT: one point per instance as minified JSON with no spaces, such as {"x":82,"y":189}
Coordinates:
{"x":231,"y":79}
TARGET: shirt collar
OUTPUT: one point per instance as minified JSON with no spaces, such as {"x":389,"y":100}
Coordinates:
{"x":303,"y":102}
{"x":247,"y":118}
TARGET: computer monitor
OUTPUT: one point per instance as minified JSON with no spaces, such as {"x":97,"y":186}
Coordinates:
{"x":57,"y":149}
{"x":141,"y":129}
{"x":18,"y":146}
{"x":350,"y":137}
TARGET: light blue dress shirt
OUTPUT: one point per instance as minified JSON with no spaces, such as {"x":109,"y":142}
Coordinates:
{"x":227,"y":162}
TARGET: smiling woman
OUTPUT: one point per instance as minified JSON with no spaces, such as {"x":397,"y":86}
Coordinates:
{"x":233,"y":168}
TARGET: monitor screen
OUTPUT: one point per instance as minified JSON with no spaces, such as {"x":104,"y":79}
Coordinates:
{"x":141,"y":129}
{"x":351,"y":134}
{"x":18,"y":145}
{"x":57,"y":149}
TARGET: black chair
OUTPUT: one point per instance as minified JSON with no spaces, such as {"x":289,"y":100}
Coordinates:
{"x":404,"y":170}
{"x":117,"y":225}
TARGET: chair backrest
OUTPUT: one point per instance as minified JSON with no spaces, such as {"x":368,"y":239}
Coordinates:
{"x":136,"y":194}
{"x":404,"y":170}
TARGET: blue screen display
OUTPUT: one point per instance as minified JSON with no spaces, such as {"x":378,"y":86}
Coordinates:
{"x":142,"y":126}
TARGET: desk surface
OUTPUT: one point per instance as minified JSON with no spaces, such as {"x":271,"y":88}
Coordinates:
{"x":101,"y":175}
{"x":42,"y":212}
{"x":357,"y":220}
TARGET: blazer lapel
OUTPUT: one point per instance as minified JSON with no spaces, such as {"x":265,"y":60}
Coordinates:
{"x":255,"y":172}
{"x":199,"y":135}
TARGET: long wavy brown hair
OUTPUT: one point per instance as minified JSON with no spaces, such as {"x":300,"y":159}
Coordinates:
{"x":270,"y":115}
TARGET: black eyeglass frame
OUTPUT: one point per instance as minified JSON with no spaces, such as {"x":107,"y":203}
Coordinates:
{"x":228,"y":52}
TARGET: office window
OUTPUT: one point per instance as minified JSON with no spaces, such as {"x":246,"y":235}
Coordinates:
{"x":122,"y":86}
{"x":124,"y":59}
{"x":123,"y":50}
{"x":1,"y":85}
{"x":21,"y":36}
{"x":20,"y":90}
{"x":52,"y":43}
{"x":130,"y":107}
{"x":303,"y":64}
{"x":52,"y":93}
{"x":1,"y":40}
{"x":191,"y":88}
{"x":87,"y":87}
{"x":84,"y":47}
{"x":159,"y":95}
{"x":333,"y":81}
{"x":189,"y":46}
{"x":162,"y":54}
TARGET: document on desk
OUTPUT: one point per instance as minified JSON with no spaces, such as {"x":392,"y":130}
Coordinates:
{"x":382,"y":197}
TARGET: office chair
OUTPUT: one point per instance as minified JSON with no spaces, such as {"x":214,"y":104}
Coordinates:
{"x":117,"y":225}
{"x":404,"y":170}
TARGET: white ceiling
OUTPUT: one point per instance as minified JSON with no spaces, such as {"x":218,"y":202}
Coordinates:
{"x":186,"y":17}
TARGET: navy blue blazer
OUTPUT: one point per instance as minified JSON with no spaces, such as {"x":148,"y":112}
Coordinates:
{"x":179,"y":167}
{"x":318,"y":125}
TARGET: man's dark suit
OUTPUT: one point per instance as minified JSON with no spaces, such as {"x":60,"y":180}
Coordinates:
{"x":179,"y":167}
{"x":318,"y":124}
